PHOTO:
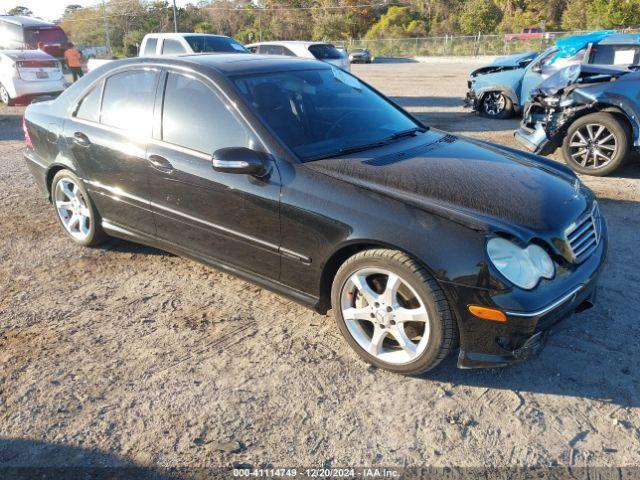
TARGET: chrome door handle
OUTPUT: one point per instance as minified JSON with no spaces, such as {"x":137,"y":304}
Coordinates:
{"x":160,"y":163}
{"x":81,"y":139}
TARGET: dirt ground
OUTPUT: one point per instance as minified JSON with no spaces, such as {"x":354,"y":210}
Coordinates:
{"x":127,"y":356}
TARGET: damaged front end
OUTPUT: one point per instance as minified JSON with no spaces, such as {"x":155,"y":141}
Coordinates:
{"x":501,"y":64}
{"x":560,"y":99}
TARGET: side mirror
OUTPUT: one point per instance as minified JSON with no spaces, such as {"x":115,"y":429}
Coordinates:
{"x":239,"y":160}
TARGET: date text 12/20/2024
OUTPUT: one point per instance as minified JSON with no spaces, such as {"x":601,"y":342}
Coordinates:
{"x":317,"y":472}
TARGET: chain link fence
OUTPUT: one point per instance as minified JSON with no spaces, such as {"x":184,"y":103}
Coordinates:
{"x":472,"y":45}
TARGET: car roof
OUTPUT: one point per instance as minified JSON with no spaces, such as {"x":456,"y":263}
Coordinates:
{"x":289,"y":42}
{"x":26,"y":54}
{"x":232,"y":64}
{"x":26,"y":21}
{"x":621,"y":38}
{"x":182,"y":35}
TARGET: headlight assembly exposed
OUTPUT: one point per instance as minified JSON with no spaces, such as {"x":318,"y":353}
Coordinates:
{"x":523,"y":267}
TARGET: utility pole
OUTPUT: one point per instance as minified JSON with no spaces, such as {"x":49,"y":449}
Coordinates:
{"x":106,"y":27}
{"x":175,"y":17}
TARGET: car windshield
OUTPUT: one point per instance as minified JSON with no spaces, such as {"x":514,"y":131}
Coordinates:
{"x":33,"y":36}
{"x":206,"y":43}
{"x":324,"y":113}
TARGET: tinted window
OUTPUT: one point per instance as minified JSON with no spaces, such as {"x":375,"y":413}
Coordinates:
{"x":319,"y":112}
{"x":193,"y":116}
{"x":46,"y":35}
{"x":325,"y":52}
{"x":616,"y":55}
{"x":172,"y":47}
{"x":150,"y":46}
{"x":271,"y":50}
{"x":208,"y":43}
{"x":128,"y":101}
{"x":286,"y":51}
{"x":90,"y":106}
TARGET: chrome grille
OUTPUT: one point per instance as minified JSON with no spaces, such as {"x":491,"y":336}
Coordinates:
{"x":583,"y":236}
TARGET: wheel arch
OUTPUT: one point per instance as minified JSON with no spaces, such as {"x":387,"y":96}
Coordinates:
{"x":344,"y":252}
{"x":614,"y":110}
{"x":53,"y":170}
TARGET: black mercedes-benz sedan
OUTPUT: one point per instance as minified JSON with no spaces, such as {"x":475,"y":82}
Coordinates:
{"x":299,"y":177}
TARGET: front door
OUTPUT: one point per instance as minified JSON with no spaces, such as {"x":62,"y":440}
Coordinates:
{"x":108,"y":135}
{"x":231,"y":218}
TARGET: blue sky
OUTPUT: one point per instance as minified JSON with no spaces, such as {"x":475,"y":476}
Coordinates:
{"x":52,"y":9}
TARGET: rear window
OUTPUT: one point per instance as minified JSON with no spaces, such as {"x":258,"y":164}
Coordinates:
{"x":325,"y":52}
{"x":37,"y":64}
{"x":56,"y":35}
{"x":150,"y":46}
{"x":616,"y":55}
{"x":172,"y":47}
{"x":205,"y":43}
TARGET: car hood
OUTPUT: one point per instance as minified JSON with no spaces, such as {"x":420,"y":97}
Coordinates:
{"x":504,"y":63}
{"x":481,"y":185}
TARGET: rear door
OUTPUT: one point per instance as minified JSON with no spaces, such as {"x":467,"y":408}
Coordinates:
{"x":108,"y":135}
{"x":228,"y":217}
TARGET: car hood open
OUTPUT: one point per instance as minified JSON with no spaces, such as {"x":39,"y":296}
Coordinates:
{"x":478,"y":184}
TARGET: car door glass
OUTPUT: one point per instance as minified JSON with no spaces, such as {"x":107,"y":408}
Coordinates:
{"x":150,"y":47}
{"x":172,"y":47}
{"x":287,"y":52}
{"x":193,"y":116}
{"x":128,"y":101}
{"x":89,"y":108}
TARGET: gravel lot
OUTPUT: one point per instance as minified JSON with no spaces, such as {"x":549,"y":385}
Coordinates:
{"x":127,"y":356}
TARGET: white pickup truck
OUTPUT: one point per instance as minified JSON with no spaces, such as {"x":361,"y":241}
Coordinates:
{"x":157,"y":44}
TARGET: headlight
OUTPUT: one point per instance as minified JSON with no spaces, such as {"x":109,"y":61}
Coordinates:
{"x":523,"y":267}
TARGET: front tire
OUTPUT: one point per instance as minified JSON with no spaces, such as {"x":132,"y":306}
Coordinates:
{"x":75,"y":211}
{"x":392,"y":312}
{"x":596,"y":144}
{"x":496,"y":105}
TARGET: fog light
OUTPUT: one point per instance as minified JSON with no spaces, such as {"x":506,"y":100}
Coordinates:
{"x":488,"y":313}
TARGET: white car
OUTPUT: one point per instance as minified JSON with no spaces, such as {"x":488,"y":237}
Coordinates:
{"x":29,"y":73}
{"x":161,"y":44}
{"x":318,"y":50}
{"x":156,"y":44}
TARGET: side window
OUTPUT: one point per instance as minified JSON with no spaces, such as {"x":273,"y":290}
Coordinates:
{"x":271,"y":49}
{"x":286,"y":51}
{"x":172,"y":47}
{"x":127,"y":101}
{"x":89,"y":108}
{"x":150,"y":46}
{"x":193,"y":116}
{"x":253,"y":49}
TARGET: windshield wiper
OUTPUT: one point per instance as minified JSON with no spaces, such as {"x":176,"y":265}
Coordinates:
{"x":368,"y":146}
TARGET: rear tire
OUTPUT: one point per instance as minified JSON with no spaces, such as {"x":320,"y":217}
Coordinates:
{"x":75,"y":211}
{"x":596,"y":144}
{"x":4,"y":96}
{"x":496,"y":105}
{"x":405,"y":327}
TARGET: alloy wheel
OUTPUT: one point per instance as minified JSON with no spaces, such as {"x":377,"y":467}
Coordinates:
{"x":72,"y":209}
{"x":4,"y":95}
{"x":494,"y":103}
{"x":593,"y":145}
{"x":385,"y":315}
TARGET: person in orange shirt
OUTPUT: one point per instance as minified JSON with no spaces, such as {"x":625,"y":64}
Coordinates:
{"x":73,"y":56}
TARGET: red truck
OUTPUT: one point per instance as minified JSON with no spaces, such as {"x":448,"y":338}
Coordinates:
{"x":528,"y":34}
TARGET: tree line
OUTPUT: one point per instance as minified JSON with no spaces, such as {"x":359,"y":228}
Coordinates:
{"x":127,"y":21}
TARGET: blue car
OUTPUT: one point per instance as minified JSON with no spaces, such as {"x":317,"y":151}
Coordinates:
{"x":590,"y":112}
{"x":501,"y":89}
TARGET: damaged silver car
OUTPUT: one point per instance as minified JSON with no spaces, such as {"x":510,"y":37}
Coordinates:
{"x":591,"y":112}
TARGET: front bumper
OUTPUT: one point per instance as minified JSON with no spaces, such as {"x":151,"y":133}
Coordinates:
{"x":535,"y":140}
{"x":470,"y":100}
{"x":530,"y":315}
